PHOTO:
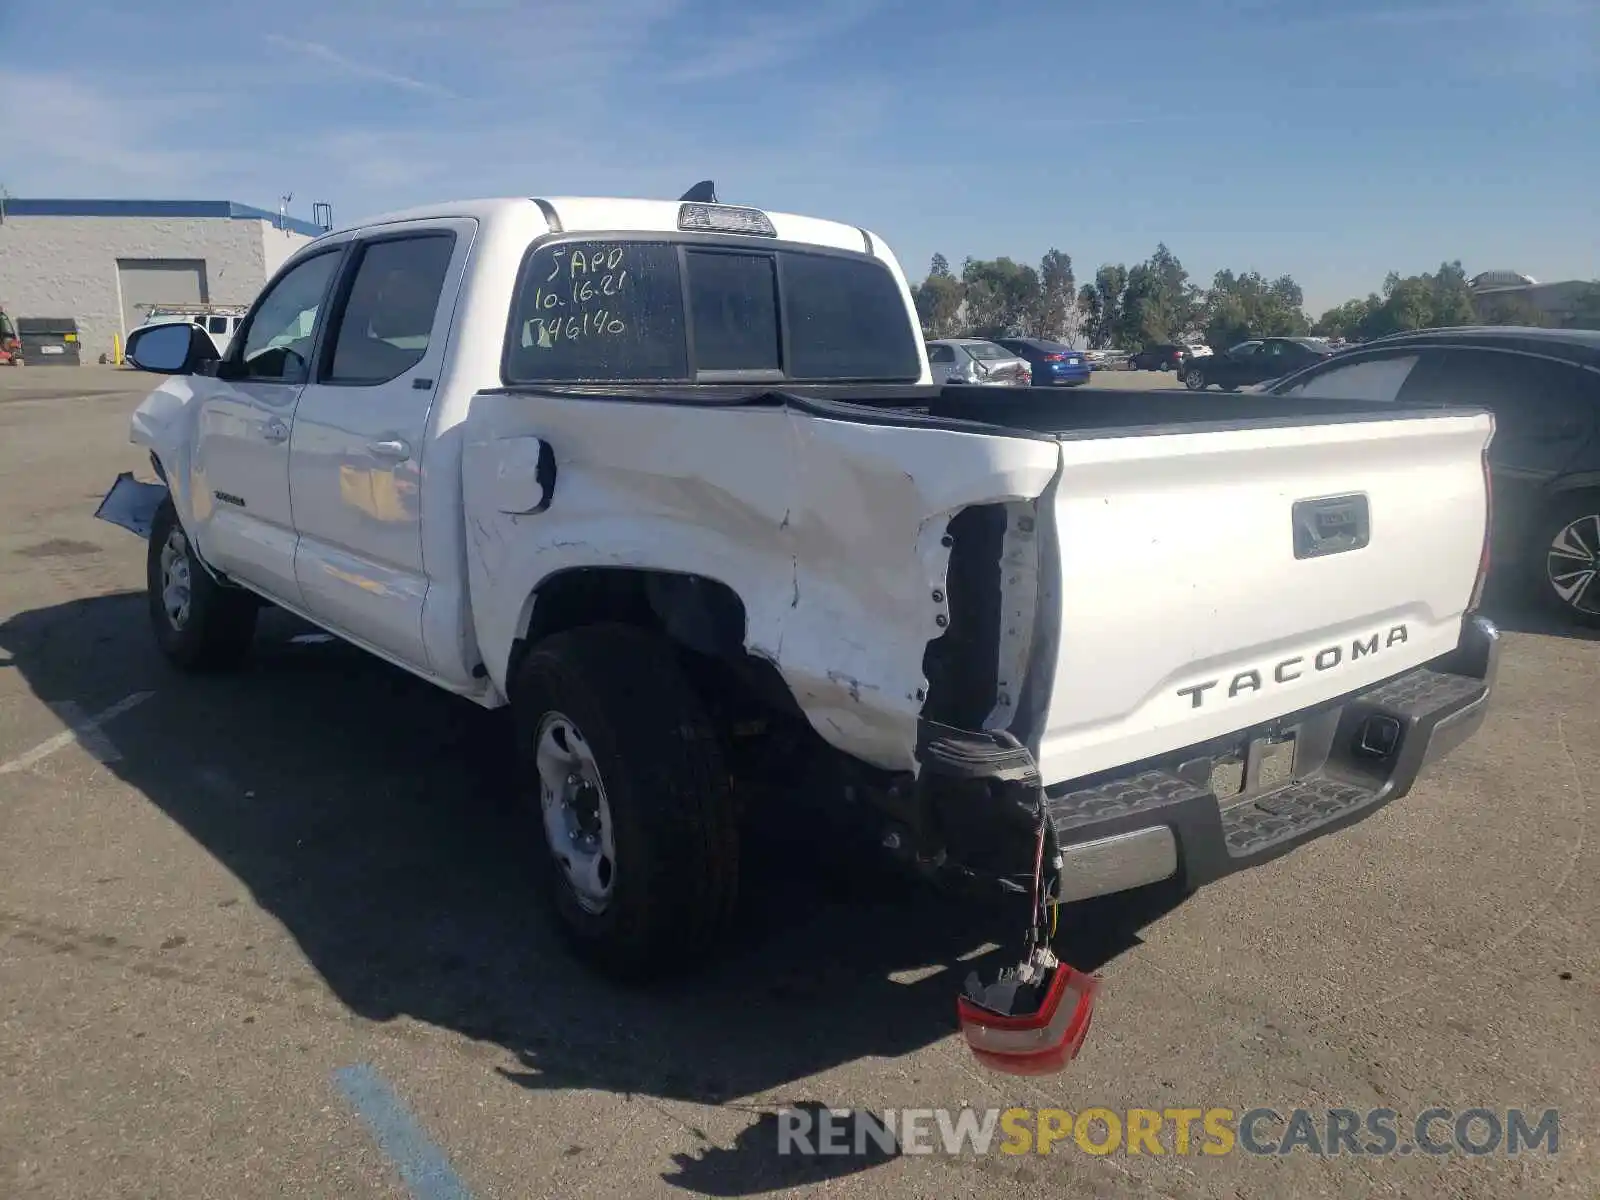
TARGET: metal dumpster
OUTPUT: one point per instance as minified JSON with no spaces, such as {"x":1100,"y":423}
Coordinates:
{"x":49,"y":341}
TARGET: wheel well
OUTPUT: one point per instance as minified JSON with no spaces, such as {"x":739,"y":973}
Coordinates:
{"x":700,"y":615}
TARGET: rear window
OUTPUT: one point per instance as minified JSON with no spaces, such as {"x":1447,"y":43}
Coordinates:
{"x":988,"y":351}
{"x":615,"y":311}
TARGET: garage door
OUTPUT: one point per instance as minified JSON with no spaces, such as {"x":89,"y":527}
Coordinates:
{"x":147,"y":281}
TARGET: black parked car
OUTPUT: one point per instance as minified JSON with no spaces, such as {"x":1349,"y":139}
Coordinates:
{"x":1165,"y":357}
{"x":1543,"y":386}
{"x":1255,"y":361}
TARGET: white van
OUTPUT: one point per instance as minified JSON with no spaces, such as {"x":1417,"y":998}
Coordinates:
{"x":220,"y":321}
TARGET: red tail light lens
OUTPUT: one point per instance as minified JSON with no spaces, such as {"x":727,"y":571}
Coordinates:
{"x":1039,"y":1043}
{"x":1054,"y":357}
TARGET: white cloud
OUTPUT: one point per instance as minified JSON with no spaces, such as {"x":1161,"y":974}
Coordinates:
{"x":345,"y":65}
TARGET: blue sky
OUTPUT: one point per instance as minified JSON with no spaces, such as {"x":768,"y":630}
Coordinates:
{"x":1330,"y":140}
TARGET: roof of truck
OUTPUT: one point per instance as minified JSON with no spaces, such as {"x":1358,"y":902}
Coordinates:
{"x":581,"y":214}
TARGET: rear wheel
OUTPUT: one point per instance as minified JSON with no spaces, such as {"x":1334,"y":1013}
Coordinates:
{"x":1566,"y":560}
{"x":199,"y":624}
{"x":1194,"y":379}
{"x":625,"y":772}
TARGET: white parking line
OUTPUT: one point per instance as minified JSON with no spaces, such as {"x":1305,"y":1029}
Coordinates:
{"x":84,"y":730}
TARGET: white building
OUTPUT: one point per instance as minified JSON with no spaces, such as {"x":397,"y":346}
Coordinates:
{"x":104,"y":262}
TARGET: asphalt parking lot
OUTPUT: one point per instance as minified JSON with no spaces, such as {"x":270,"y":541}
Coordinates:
{"x":271,"y":935}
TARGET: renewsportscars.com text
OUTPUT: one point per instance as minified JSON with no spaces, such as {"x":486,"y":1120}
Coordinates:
{"x":1212,"y":1131}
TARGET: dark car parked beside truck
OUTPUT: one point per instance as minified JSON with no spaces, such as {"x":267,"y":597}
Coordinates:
{"x":1543,"y":387}
{"x":1259,"y":360}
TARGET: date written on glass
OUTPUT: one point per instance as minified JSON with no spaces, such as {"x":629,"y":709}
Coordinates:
{"x":573,"y":299}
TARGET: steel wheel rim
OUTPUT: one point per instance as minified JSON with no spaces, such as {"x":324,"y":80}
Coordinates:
{"x":177,"y":592}
{"x":1194,"y":381}
{"x":577,"y":817}
{"x":1572,"y":564}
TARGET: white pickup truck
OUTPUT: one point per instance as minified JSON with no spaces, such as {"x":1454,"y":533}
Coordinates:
{"x":671,"y":480}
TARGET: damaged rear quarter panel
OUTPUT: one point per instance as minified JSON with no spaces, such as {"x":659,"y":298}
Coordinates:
{"x":828,"y":530}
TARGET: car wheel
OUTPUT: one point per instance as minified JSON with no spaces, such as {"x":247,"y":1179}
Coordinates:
{"x":1566,"y":562}
{"x":624,"y":772}
{"x":199,"y":624}
{"x":1194,"y":379}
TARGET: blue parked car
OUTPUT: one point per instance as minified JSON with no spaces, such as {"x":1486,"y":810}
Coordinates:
{"x":1053,"y":364}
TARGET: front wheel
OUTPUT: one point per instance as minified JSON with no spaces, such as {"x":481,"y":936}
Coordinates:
{"x":1566,"y":562}
{"x":624,"y":771}
{"x":1194,"y":379}
{"x":199,"y":624}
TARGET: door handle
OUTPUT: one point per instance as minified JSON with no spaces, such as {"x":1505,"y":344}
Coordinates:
{"x":390,"y":448}
{"x":275,"y":431}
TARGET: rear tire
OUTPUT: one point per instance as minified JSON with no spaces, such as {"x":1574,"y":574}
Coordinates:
{"x":1195,"y":379}
{"x":199,"y":624}
{"x":1564,"y":558}
{"x":663,"y":811}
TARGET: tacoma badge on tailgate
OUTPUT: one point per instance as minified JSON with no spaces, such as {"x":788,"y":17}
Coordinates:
{"x":1287,"y":670}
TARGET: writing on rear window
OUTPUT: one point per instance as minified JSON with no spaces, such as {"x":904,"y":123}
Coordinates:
{"x":601,"y":311}
{"x":573,"y":299}
{"x":614,"y":311}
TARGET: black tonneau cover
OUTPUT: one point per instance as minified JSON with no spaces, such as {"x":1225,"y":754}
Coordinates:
{"x":1044,"y":413}
{"x":1096,"y":412}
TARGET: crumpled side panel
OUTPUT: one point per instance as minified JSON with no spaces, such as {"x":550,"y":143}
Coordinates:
{"x":829,"y":531}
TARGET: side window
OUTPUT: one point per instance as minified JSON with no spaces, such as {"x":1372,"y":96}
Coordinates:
{"x":277,"y":345}
{"x":1377,"y":379}
{"x":1528,"y":395}
{"x":387,"y":319}
{"x":1244,"y":349}
{"x":941,"y":354}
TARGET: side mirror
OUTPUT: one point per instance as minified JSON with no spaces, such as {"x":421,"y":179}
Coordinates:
{"x":176,"y":349}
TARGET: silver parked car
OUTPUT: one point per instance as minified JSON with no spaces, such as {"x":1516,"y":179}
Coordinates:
{"x":972,"y":360}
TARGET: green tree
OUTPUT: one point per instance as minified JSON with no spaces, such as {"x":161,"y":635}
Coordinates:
{"x":1105,"y":304}
{"x":938,"y":299}
{"x":1452,"y":296}
{"x":1089,"y":315}
{"x":1426,"y":301}
{"x":1055,"y":314}
{"x":1346,"y":320}
{"x":1245,"y":306}
{"x":1001,"y":296}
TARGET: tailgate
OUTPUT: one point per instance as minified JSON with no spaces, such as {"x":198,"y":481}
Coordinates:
{"x":1192,"y":607}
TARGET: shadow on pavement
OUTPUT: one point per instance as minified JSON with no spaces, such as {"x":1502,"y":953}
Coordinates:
{"x":362,"y":808}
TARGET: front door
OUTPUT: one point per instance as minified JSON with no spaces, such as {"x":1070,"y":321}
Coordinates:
{"x":356,"y":469}
{"x":240,"y":503}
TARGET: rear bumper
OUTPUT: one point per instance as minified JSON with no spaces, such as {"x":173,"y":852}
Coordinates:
{"x":1069,"y":375}
{"x":1165,"y":819}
